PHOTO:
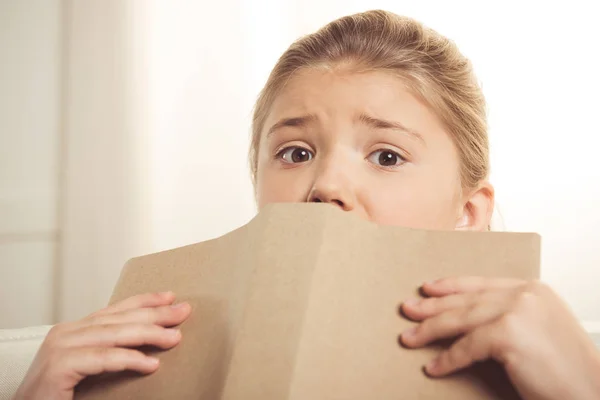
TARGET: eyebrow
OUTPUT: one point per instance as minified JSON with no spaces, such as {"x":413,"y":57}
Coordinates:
{"x":298,"y":122}
{"x":378,"y":123}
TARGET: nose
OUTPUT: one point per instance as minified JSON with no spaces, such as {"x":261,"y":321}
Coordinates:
{"x":333,"y":185}
{"x":320,"y":198}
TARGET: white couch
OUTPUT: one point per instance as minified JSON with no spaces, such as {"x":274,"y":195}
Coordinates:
{"x":18,"y":347}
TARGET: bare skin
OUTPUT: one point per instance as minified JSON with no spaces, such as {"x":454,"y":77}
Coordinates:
{"x":101,"y":343}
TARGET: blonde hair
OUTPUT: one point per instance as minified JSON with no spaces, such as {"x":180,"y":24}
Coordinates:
{"x":430,"y":64}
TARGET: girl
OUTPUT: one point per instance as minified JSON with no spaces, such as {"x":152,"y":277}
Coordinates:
{"x":382,"y":117}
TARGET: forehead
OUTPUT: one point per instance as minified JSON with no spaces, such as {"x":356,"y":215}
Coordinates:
{"x":343,"y":94}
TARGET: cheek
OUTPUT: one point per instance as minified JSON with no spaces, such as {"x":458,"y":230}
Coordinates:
{"x":414,"y":203}
{"x":274,"y":185}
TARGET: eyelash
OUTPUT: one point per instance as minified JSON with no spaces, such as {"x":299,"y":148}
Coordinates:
{"x":402,"y":159}
{"x":280,"y":153}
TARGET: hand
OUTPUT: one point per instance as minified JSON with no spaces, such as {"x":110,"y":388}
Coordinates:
{"x":522,"y":325}
{"x":101,"y":343}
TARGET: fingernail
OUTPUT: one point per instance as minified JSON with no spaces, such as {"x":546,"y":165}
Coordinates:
{"x":431,"y":365}
{"x":166,"y":294}
{"x":179,"y":305}
{"x":173,"y":332}
{"x":410,"y":332}
{"x":153,"y":361}
{"x":412,"y":302}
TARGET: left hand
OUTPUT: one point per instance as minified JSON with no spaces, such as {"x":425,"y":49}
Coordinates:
{"x":522,"y":325}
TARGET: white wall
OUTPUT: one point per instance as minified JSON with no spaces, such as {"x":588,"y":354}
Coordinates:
{"x":29,"y":158}
{"x":157,"y":99}
{"x":105,"y":200}
{"x":199,"y":105}
{"x":156,"y":132}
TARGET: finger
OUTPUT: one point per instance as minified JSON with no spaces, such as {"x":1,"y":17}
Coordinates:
{"x":451,"y":324}
{"x":474,"y":347}
{"x":420,"y":309}
{"x":164,"y":316}
{"x":139,"y":301}
{"x":82,"y":362}
{"x":468,"y":284}
{"x":122,"y":335}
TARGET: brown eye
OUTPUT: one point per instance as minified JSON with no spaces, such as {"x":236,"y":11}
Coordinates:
{"x":386,"y":158}
{"x":295,"y":155}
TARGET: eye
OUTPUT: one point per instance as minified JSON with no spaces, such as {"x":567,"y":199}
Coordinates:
{"x":295,"y":155}
{"x":386,"y":158}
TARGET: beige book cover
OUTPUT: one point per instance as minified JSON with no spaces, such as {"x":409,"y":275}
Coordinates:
{"x":303,"y":303}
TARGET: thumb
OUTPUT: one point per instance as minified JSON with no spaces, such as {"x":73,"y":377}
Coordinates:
{"x":478,"y":345}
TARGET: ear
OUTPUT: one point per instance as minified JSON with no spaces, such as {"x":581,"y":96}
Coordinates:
{"x":477,"y":209}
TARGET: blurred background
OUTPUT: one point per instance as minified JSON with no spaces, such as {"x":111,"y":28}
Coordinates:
{"x":124,"y":128}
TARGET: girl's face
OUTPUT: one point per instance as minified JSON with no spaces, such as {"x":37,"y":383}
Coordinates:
{"x":364,"y":143}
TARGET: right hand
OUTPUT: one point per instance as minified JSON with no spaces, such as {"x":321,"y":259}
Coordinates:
{"x":102,"y":342}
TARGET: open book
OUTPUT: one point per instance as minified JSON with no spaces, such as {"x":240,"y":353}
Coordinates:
{"x":303,"y":303}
